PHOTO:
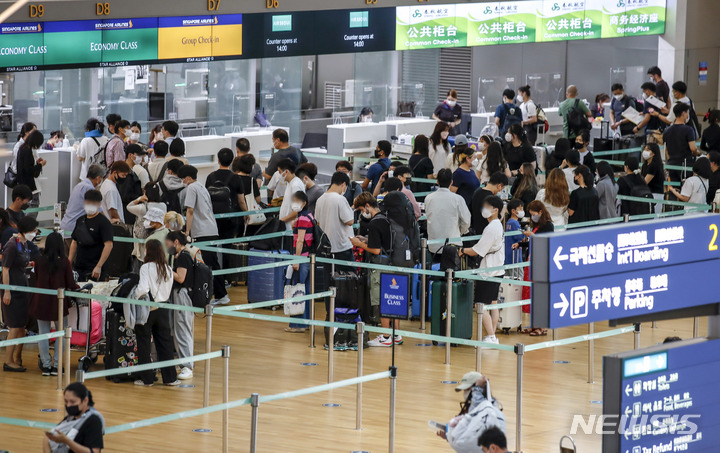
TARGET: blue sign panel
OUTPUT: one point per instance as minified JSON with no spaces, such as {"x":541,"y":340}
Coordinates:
{"x":395,"y":296}
{"x":625,"y":295}
{"x":634,"y":246}
{"x":663,"y":399}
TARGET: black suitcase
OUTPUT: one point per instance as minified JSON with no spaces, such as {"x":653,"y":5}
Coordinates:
{"x":605,"y":142}
{"x":118,"y":263}
{"x":349,"y":303}
{"x":120,"y":346}
{"x":235,"y":261}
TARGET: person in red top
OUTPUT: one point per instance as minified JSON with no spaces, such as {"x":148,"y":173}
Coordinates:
{"x":302,"y":241}
{"x":53,"y":271}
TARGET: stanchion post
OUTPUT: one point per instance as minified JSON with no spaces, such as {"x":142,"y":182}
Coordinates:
{"x":696,"y":327}
{"x":448,"y":320}
{"x":591,"y":355}
{"x":360,"y":327}
{"x":423,"y":282}
{"x":312,"y":301}
{"x":520,"y":351}
{"x":208,"y":346}
{"x":626,"y":218}
{"x":636,"y":335}
{"x":226,"y":398}
{"x":331,"y":337}
{"x":66,"y":346}
{"x":554,"y":334}
{"x":254,"y":402}
{"x":59,"y":352}
{"x":393,"y":388}
{"x":478,"y":349}
{"x":79,"y":375}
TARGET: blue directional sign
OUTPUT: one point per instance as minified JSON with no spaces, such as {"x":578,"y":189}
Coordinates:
{"x":625,"y":295}
{"x":395,"y":296}
{"x":662,"y":398}
{"x":589,"y":252}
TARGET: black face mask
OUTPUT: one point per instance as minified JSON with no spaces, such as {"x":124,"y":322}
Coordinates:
{"x":377,"y":154}
{"x":578,"y":145}
{"x":119,"y":180}
{"x":172,"y":251}
{"x":73,"y":410}
{"x":25,"y":206}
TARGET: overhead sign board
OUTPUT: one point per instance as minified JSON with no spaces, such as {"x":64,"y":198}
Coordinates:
{"x":581,"y":253}
{"x":624,"y":271}
{"x":662,"y":399}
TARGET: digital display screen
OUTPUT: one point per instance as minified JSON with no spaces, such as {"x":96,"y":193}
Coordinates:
{"x":343,"y":31}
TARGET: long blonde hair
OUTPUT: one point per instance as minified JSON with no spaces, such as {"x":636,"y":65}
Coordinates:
{"x":174,"y":221}
{"x":557,"y":192}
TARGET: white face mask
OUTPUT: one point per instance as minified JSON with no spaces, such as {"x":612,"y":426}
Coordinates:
{"x":475,"y":162}
{"x":644,"y":96}
{"x":535,"y":218}
{"x":486,"y":213}
{"x":508,"y":137}
{"x":366,"y":215}
{"x":390,"y":173}
{"x":482,"y":146}
{"x":91,"y":209}
{"x":30,"y":236}
{"x":646,"y":155}
{"x":521,"y":214}
{"x":450,"y":103}
{"x":444,"y":135}
{"x":368,"y":119}
{"x":296,"y":207}
{"x":146,"y":223}
{"x":618,"y":96}
{"x":134,"y":136}
{"x":520,"y":98}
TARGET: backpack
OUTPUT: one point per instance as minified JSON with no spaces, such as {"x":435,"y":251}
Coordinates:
{"x":100,"y":156}
{"x":513,"y":116}
{"x":170,"y":197}
{"x":694,"y":121}
{"x":542,"y":119}
{"x":639,"y":207}
{"x":221,"y":196}
{"x":130,"y":190}
{"x":321,"y":243}
{"x":271,"y":225}
{"x":449,"y":257}
{"x":201,"y":283}
{"x":404,"y":230}
{"x":577,"y":120}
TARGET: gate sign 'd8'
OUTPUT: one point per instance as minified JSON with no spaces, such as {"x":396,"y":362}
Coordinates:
{"x":605,"y":250}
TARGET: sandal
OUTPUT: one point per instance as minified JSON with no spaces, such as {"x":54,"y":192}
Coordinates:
{"x":526,"y":331}
{"x":538,"y":332}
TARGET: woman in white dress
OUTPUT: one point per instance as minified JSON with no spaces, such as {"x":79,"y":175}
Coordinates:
{"x":556,"y":197}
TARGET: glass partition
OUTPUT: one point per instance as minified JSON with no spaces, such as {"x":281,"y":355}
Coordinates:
{"x":548,"y":89}
{"x":375,"y":80}
{"x":280,"y":92}
{"x":631,"y":77}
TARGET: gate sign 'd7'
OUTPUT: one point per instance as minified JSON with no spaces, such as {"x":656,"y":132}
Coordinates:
{"x":613,"y":249}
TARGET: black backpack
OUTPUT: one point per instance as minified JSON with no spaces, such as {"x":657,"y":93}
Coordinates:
{"x":694,"y":121}
{"x":201,"y":283}
{"x":404,"y":229}
{"x":449,"y":257}
{"x":577,"y":120}
{"x":640,"y":207}
{"x":321,"y":243}
{"x":170,"y":197}
{"x":130,"y":190}
{"x":271,"y":225}
{"x":221,"y":195}
{"x":513,"y":115}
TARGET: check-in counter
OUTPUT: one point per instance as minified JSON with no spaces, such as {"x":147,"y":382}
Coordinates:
{"x":480,"y":120}
{"x":201,"y":152}
{"x":260,"y":139}
{"x":355,"y":139}
{"x":410,"y":126}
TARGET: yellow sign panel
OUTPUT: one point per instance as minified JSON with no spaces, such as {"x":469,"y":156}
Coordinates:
{"x":198,"y":37}
{"x":227,"y":40}
{"x":185,"y":42}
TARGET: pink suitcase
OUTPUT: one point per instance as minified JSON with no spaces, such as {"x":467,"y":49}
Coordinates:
{"x":78,"y":320}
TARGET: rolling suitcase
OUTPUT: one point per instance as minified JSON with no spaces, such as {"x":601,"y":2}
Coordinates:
{"x":605,"y":142}
{"x":120,"y":346}
{"x":265,"y":284}
{"x":417,"y":288}
{"x":462,"y":309}
{"x":350,"y":307}
{"x":235,"y":261}
{"x":78,"y":320}
{"x":511,"y":318}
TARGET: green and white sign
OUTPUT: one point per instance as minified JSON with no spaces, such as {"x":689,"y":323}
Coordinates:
{"x":623,"y":18}
{"x":429,"y":27}
{"x":525,"y":21}
{"x":282,"y":23}
{"x":501,"y":22}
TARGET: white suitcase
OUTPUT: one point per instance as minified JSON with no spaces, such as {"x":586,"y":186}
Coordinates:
{"x":511,"y":318}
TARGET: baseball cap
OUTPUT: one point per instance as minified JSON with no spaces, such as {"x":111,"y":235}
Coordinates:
{"x":461,"y":140}
{"x":155,"y":215}
{"x":468,"y":380}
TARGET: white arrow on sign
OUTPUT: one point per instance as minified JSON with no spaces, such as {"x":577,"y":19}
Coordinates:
{"x":562,"y":306}
{"x":559,"y":258}
{"x":628,"y":390}
{"x":628,"y":411}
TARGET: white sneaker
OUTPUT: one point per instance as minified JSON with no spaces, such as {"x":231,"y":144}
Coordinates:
{"x":224,"y":301}
{"x":398,"y":339}
{"x":185,"y":373}
{"x":174,"y":383}
{"x":490,"y":339}
{"x":381,"y":341}
{"x":142,"y":384}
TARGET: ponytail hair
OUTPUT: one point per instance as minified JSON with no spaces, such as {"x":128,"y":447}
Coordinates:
{"x":81,"y":392}
{"x":525,"y":89}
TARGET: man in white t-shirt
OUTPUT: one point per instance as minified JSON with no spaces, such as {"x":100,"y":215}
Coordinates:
{"x":491,"y":247}
{"x":112,"y":204}
{"x":529,"y":114}
{"x":286,"y":168}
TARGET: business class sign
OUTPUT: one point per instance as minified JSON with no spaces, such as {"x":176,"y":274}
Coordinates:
{"x":479,"y":24}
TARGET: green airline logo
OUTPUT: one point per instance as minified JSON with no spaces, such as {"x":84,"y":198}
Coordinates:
{"x":417,"y":13}
{"x":359,"y":19}
{"x":282,"y":23}
{"x":556,"y":7}
{"x":621,"y":3}
{"x":488,"y":10}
